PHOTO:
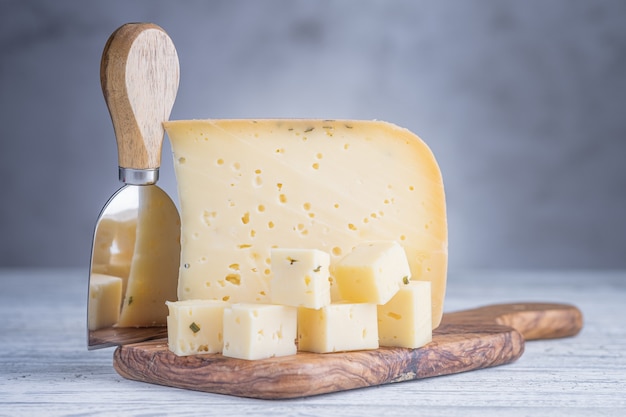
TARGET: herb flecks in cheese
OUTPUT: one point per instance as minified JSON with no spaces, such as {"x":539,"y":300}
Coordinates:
{"x":195,"y":326}
{"x":300,"y":277}
{"x":373,"y":272}
{"x":246,"y":186}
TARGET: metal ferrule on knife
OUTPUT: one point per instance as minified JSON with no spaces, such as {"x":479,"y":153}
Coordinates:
{"x":138,"y":176}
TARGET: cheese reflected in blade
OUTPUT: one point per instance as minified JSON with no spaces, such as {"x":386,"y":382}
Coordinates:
{"x":246,"y":186}
{"x":153,"y":274}
{"x":105,"y":296}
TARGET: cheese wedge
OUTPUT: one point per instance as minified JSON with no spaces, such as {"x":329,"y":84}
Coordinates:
{"x":246,"y":186}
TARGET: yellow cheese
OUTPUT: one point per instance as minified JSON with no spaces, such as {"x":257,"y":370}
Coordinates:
{"x":105,"y":296}
{"x":259,"y":331}
{"x":300,"y":277}
{"x":337,"y":327}
{"x":107,"y":227}
{"x":372,"y":273}
{"x":195,"y":326}
{"x":115,"y":245}
{"x":406,"y":320}
{"x":125,"y":238}
{"x":246,"y":186}
{"x":154,"y":269}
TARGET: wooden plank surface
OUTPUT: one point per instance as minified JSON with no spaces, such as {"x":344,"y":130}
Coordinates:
{"x":46,"y":369}
{"x":467,"y":340}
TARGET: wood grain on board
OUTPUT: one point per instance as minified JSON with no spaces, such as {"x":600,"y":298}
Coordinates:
{"x":466,"y":340}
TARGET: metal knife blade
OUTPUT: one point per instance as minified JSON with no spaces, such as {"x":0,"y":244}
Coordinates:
{"x":136,"y":245}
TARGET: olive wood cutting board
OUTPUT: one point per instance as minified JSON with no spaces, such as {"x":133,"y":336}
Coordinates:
{"x":466,"y":340}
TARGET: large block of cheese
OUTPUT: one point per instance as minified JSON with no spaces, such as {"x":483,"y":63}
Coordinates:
{"x":259,"y":331}
{"x":195,"y":326}
{"x":105,"y":297}
{"x":372,"y":273}
{"x":338,"y":327}
{"x":153,"y":276}
{"x":246,"y":186}
{"x":406,"y":320}
{"x":300,"y":277}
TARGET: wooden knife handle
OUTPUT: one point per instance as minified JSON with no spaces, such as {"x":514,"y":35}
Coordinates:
{"x":139,"y":73}
{"x":533,"y":320}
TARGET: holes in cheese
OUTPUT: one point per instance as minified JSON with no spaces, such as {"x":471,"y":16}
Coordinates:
{"x":375,"y":181}
{"x":338,"y":327}
{"x":195,"y":326}
{"x":300,"y":278}
{"x":259,"y":331}
{"x":405,"y":320}
{"x":372,"y":273}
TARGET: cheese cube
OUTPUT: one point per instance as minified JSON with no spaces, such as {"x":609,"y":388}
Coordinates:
{"x":246,"y":186}
{"x":105,"y":298}
{"x":195,"y":326}
{"x":372,"y":273}
{"x":300,"y":277}
{"x":406,"y":319}
{"x":337,"y":327}
{"x":259,"y":331}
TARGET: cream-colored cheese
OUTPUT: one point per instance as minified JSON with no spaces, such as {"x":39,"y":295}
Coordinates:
{"x":406,"y":320}
{"x":259,"y":331}
{"x":372,"y":273}
{"x":105,"y":297}
{"x":107,"y":227}
{"x":300,"y":277}
{"x":115,"y":245}
{"x":195,"y":326}
{"x":337,"y":327}
{"x":153,"y":274}
{"x":246,"y":186}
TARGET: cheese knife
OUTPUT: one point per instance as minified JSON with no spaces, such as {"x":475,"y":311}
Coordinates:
{"x":136,"y":244}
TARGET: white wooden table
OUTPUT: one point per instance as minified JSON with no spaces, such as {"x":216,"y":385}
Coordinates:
{"x":46,"y":369}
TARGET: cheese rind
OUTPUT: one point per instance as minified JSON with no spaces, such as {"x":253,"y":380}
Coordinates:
{"x":105,"y":297}
{"x":406,"y":319}
{"x":195,"y":326}
{"x":300,"y":277}
{"x":259,"y":331}
{"x":338,"y":327}
{"x":246,"y":186}
{"x":372,"y":273}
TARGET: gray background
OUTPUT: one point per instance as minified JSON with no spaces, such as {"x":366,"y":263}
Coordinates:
{"x":522,"y":102}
